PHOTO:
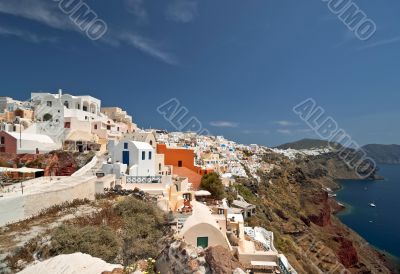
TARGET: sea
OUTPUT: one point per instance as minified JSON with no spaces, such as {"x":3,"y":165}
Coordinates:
{"x":379,"y":225}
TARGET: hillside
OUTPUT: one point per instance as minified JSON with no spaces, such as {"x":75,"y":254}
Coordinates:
{"x":292,"y":203}
{"x":383,"y":154}
{"x":306,"y":144}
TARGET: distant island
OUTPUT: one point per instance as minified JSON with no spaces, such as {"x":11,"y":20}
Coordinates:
{"x":382,"y":154}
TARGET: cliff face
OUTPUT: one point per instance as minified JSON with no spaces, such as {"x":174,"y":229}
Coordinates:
{"x":293,"y":204}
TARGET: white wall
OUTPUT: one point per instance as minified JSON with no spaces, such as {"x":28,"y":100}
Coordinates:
{"x":86,"y":168}
{"x":144,"y":167}
{"x":29,"y":146}
{"x":215,"y":237}
{"x":118,"y":169}
{"x":11,"y":209}
{"x":18,"y":207}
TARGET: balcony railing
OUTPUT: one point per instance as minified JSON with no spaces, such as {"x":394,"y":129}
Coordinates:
{"x":143,"y":179}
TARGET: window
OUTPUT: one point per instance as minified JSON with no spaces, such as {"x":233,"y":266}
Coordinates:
{"x":159,"y":166}
{"x":2,"y":149}
{"x":108,"y":127}
{"x":66,"y":104}
{"x":125,"y":145}
{"x":187,"y":196}
{"x":95,"y":126}
{"x":2,"y":140}
{"x":179,"y":163}
{"x":49,"y":103}
{"x":143,"y":155}
{"x":149,"y":155}
{"x":67,"y":125}
{"x":151,"y":142}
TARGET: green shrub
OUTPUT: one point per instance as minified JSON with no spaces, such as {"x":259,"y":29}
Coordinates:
{"x":144,"y":229}
{"x":98,"y":241}
{"x":130,"y":207}
{"x":246,"y":193}
{"x":212,"y":183}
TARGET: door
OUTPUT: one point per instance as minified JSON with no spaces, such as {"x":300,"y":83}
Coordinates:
{"x":125,"y":157}
{"x":179,"y":163}
{"x":202,"y":241}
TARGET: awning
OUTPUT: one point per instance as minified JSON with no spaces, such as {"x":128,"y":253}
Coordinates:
{"x":264,"y":263}
{"x":202,"y":193}
{"x":79,"y":135}
{"x":21,"y":170}
{"x":8,"y":169}
{"x":29,"y":170}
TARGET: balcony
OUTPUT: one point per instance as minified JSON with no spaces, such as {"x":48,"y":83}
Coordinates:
{"x":143,"y":180}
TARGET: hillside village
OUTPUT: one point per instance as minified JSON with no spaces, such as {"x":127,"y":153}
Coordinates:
{"x":59,"y":148}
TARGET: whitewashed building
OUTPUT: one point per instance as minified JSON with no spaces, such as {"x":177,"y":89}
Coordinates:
{"x":138,"y":156}
{"x":59,"y":115}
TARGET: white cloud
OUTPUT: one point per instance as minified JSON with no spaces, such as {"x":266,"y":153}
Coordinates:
{"x":148,"y":46}
{"x":47,"y":13}
{"x":381,"y":43}
{"x":284,"y":131}
{"x":136,"y":7}
{"x":285,"y":123}
{"x":40,"y":11}
{"x":223,"y":124}
{"x":30,"y":37}
{"x":287,"y":131}
{"x":304,"y":130}
{"x":256,"y":131}
{"x":182,"y":11}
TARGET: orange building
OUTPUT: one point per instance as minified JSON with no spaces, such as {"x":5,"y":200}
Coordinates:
{"x":183,"y":162}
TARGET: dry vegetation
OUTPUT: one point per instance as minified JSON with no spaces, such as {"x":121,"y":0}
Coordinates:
{"x":119,"y":230}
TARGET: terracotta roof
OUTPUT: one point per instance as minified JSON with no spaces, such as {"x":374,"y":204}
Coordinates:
{"x":193,"y":177}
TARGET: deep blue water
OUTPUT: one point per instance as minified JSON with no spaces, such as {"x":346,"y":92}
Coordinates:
{"x":380,"y":226}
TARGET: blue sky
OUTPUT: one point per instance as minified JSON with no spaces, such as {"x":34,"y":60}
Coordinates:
{"x":239,"y":67}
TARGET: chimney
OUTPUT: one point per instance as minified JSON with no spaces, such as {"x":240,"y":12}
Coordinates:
{"x":60,"y":93}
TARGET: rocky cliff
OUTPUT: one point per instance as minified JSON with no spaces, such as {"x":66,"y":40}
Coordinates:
{"x":180,"y":257}
{"x":293,"y":203}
